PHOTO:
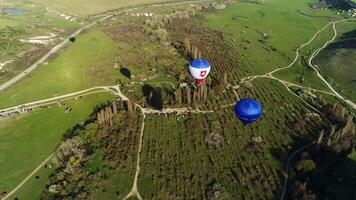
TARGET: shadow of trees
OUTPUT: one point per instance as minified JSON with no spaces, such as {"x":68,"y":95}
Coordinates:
{"x":317,"y":172}
{"x":153,"y":96}
{"x":346,"y":41}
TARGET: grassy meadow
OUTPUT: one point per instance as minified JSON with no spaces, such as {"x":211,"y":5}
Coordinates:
{"x":86,"y":63}
{"x":337,"y":61}
{"x":266,"y":34}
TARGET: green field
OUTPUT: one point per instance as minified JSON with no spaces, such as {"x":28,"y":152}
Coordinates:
{"x":86,"y":63}
{"x":263,"y":44}
{"x":337,"y":61}
{"x":26,"y":140}
{"x":91,"y":7}
{"x":8,"y":22}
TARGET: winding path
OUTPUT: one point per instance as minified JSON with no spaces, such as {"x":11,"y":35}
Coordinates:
{"x":310,"y":62}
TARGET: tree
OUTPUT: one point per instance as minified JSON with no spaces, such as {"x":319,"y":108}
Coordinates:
{"x":305,"y":165}
{"x":156,"y":100}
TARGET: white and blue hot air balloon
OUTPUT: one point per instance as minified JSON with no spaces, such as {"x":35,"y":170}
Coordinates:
{"x":199,"y":68}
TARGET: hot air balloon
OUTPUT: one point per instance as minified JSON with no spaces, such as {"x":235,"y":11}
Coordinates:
{"x":248,"y":110}
{"x":199,"y":68}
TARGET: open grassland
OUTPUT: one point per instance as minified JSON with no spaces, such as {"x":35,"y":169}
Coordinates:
{"x":86,"y":63}
{"x":28,"y":139}
{"x":37,"y":21}
{"x":300,"y":73}
{"x":91,"y":7}
{"x":8,"y":22}
{"x":267,"y":34}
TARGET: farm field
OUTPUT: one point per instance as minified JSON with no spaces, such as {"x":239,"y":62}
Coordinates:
{"x":173,"y":147}
{"x":86,"y":63}
{"x":26,"y":140}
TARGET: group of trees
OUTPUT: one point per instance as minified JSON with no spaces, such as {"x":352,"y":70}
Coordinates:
{"x":99,"y":147}
{"x":324,"y":171}
{"x":107,"y":114}
{"x":155,"y":26}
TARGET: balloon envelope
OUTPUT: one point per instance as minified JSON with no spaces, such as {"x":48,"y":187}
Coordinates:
{"x":199,"y":69}
{"x":248,"y":110}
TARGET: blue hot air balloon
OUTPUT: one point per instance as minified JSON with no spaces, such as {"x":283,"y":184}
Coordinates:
{"x":248,"y":110}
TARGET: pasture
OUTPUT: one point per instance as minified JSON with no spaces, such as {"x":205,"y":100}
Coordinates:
{"x":86,"y":63}
{"x":266,"y":34}
{"x":337,"y":61}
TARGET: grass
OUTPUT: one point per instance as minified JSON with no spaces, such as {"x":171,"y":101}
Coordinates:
{"x":8,"y":22}
{"x":33,"y":188}
{"x":352,"y":155}
{"x":337,"y":61}
{"x":263,"y":43}
{"x":86,"y":63}
{"x":26,"y":140}
{"x":301,"y":68}
{"x":91,"y":7}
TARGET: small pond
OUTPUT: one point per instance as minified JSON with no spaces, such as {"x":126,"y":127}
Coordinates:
{"x":14,"y":11}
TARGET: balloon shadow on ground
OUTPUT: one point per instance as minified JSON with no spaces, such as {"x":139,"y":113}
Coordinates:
{"x":126,"y":72}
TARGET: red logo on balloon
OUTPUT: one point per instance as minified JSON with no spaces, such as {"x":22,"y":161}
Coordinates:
{"x":202,"y":73}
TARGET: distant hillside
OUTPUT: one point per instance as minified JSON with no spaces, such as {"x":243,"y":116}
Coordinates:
{"x":337,"y":62}
{"x":338,"y":4}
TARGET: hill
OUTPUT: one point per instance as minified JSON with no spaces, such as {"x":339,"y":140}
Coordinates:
{"x":338,"y":4}
{"x":337,"y":62}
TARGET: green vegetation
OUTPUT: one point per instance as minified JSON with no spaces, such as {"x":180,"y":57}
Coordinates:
{"x":9,"y":43}
{"x":27,"y":140}
{"x":184,"y":156}
{"x":243,"y":168}
{"x":262,"y":43}
{"x":106,"y":152}
{"x":337,"y":61}
{"x":8,"y":22}
{"x":352,"y":155}
{"x":86,"y":63}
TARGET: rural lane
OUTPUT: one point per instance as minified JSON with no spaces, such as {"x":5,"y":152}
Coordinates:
{"x":310,"y":62}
